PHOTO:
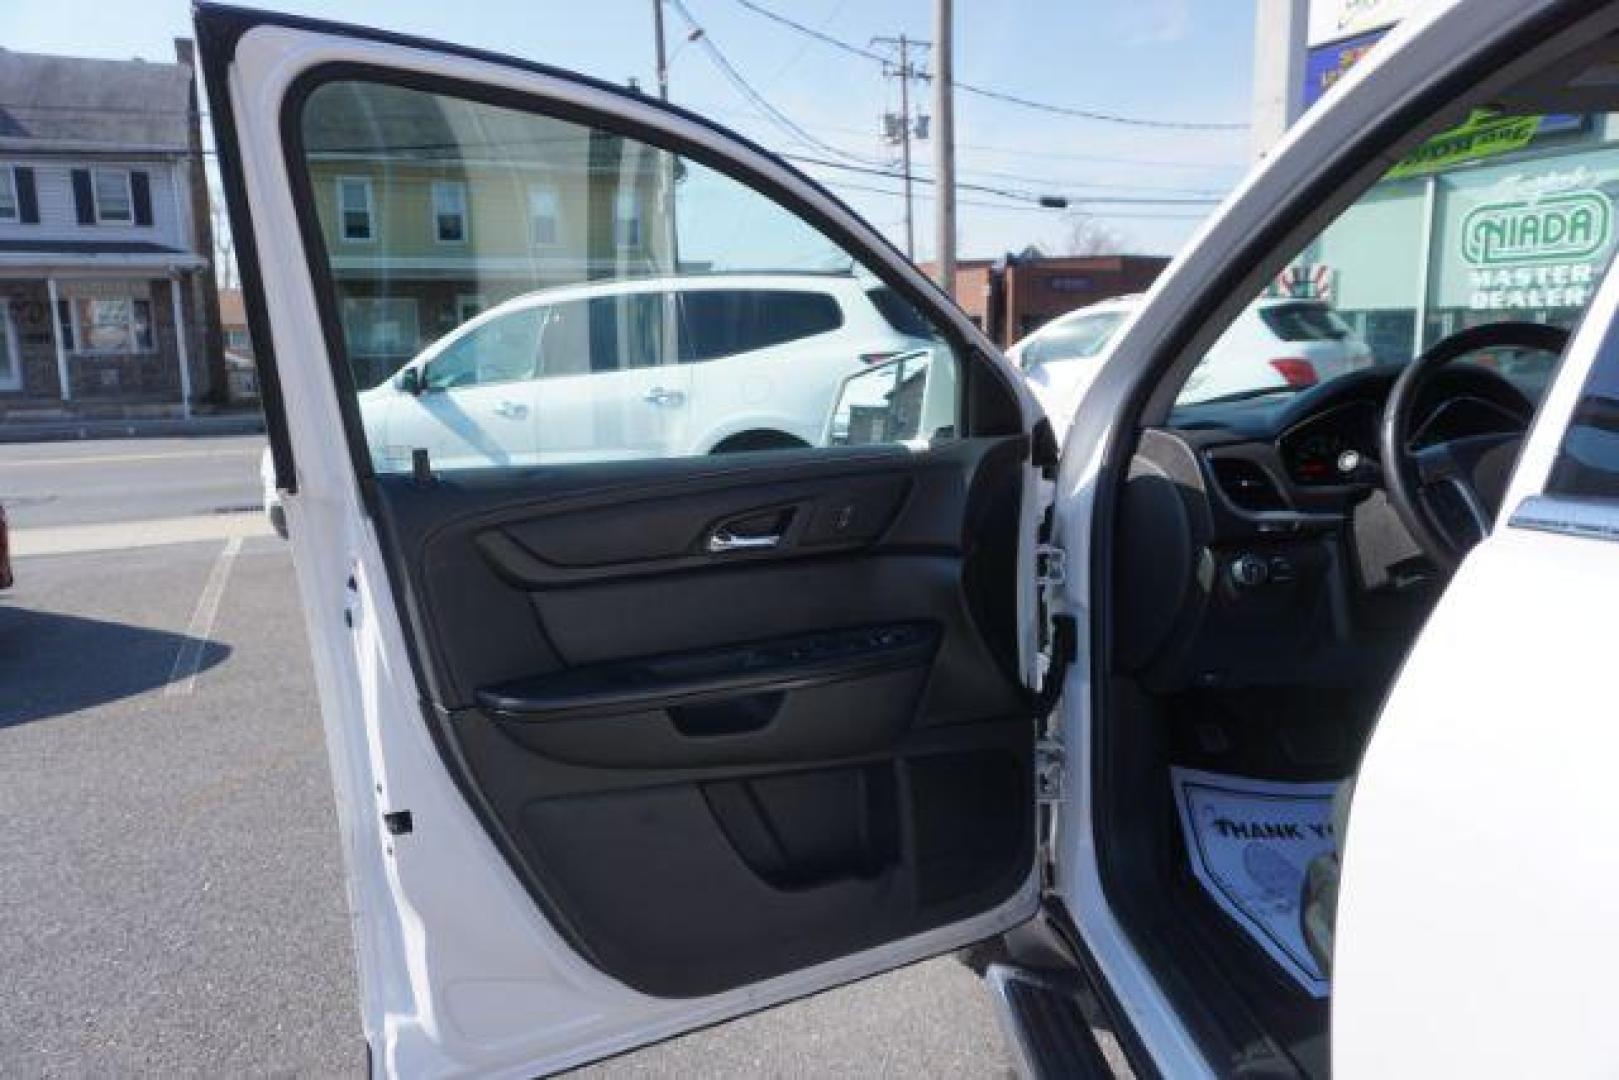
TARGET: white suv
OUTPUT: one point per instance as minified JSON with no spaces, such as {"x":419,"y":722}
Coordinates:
{"x":1275,"y":343}
{"x":663,"y":367}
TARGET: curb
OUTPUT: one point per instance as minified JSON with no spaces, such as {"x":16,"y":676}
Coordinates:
{"x":75,"y":430}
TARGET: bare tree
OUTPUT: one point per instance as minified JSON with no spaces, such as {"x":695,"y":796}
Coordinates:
{"x":1084,"y":235}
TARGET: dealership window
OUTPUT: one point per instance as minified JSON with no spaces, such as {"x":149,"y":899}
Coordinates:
{"x":356,"y":208}
{"x":8,"y":194}
{"x":106,"y":324}
{"x":115,"y":205}
{"x":380,"y":325}
{"x":542,"y":215}
{"x":450,"y":212}
{"x":1503,"y":218}
{"x":627,"y":219}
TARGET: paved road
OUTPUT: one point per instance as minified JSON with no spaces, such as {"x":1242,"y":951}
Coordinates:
{"x":171,"y":897}
{"x":60,"y":483}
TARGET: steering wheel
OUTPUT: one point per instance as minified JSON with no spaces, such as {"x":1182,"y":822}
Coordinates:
{"x":1447,"y":494}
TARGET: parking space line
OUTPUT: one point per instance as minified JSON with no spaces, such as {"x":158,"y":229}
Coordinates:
{"x":188,"y":661}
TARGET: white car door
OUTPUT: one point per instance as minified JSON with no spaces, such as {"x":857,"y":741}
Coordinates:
{"x":610,"y":384}
{"x":1478,"y":857}
{"x":472,"y":403}
{"x":624,"y":748}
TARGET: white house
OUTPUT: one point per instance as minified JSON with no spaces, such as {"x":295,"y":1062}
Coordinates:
{"x":105,"y":260}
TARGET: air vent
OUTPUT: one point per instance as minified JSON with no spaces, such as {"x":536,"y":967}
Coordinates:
{"x":1248,"y":486}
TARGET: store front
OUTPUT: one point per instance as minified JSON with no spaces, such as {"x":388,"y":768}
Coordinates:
{"x":1472,"y":235}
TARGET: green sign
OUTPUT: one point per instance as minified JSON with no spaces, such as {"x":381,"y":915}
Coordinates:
{"x":1483,"y":135}
{"x":1566,"y":227}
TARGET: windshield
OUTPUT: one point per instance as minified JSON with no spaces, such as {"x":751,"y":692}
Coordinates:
{"x":1077,"y":339}
{"x":1502,"y":218}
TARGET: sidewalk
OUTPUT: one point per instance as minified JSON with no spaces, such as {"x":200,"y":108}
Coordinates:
{"x":59,"y":430}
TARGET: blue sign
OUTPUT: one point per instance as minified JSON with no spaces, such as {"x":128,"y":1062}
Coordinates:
{"x":1326,"y":64}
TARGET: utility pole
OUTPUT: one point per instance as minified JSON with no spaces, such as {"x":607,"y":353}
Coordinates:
{"x":1279,"y":48}
{"x":663,"y":60}
{"x":944,"y":146}
{"x":899,"y":129}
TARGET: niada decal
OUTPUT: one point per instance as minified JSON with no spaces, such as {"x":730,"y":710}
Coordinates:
{"x":1566,"y":227}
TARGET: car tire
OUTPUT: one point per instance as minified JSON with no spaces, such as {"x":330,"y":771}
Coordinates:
{"x":746,"y":442}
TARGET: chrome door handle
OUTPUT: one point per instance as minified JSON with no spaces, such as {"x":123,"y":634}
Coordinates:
{"x":724,"y":540}
{"x":512,"y":410}
{"x":659,"y":396}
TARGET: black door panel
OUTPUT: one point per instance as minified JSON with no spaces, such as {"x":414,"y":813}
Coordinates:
{"x":712,"y":767}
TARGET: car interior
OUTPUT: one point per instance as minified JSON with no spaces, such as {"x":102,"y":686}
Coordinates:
{"x":1273,"y":556}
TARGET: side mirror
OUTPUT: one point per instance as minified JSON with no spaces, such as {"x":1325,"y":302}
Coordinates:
{"x":409,"y":381}
{"x":882,"y":404}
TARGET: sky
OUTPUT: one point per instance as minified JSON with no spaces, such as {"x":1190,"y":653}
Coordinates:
{"x":1180,"y":61}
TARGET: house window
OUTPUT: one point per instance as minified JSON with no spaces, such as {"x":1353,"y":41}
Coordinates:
{"x":238,"y":340}
{"x":381,"y":326}
{"x":115,"y":205}
{"x":108,"y":324}
{"x":542,"y":215}
{"x":627,"y":219}
{"x":450,"y":212}
{"x":468,"y":305}
{"x":8,"y":194}
{"x":355,"y":208}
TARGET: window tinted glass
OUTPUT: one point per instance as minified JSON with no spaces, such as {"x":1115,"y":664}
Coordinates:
{"x":622,"y":268}
{"x":899,"y":312}
{"x":1588,"y":460}
{"x":723,"y":322}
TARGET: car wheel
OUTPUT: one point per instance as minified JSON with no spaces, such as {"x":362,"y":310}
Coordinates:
{"x":749,"y":441}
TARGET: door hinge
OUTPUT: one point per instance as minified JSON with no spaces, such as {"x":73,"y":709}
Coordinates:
{"x":1050,"y":765}
{"x":1050,"y":565}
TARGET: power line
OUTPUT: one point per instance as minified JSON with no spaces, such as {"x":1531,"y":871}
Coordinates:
{"x":1143,"y":215}
{"x":998,"y":95}
{"x":1008,"y":193}
{"x":754,"y":97}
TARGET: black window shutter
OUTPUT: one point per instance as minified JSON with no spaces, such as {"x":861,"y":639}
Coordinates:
{"x":140,"y":186}
{"x":27,"y":199}
{"x":84,"y":201}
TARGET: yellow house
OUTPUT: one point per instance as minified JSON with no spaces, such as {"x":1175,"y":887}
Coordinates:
{"x":432,"y":209}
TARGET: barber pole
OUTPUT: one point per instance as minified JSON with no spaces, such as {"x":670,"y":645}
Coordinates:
{"x":1309,"y":281}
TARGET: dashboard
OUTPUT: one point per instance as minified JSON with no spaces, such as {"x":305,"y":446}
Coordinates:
{"x":1272,"y":551}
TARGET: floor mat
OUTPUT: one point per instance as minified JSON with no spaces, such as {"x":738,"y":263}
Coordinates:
{"x":1250,"y":842}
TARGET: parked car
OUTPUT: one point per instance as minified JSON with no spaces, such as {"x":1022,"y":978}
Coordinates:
{"x":6,"y":578}
{"x":1062,"y":357}
{"x":1265,"y":729}
{"x":672,"y":366}
{"x":1276,"y":342}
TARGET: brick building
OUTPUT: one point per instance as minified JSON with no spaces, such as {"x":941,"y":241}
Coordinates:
{"x":1011,"y":296}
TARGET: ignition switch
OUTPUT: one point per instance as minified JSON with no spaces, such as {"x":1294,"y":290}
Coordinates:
{"x":1249,"y":571}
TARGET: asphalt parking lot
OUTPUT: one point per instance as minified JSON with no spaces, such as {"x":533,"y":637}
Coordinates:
{"x":172,"y":898}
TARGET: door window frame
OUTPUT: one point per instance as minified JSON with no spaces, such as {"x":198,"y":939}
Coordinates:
{"x":982,"y":407}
